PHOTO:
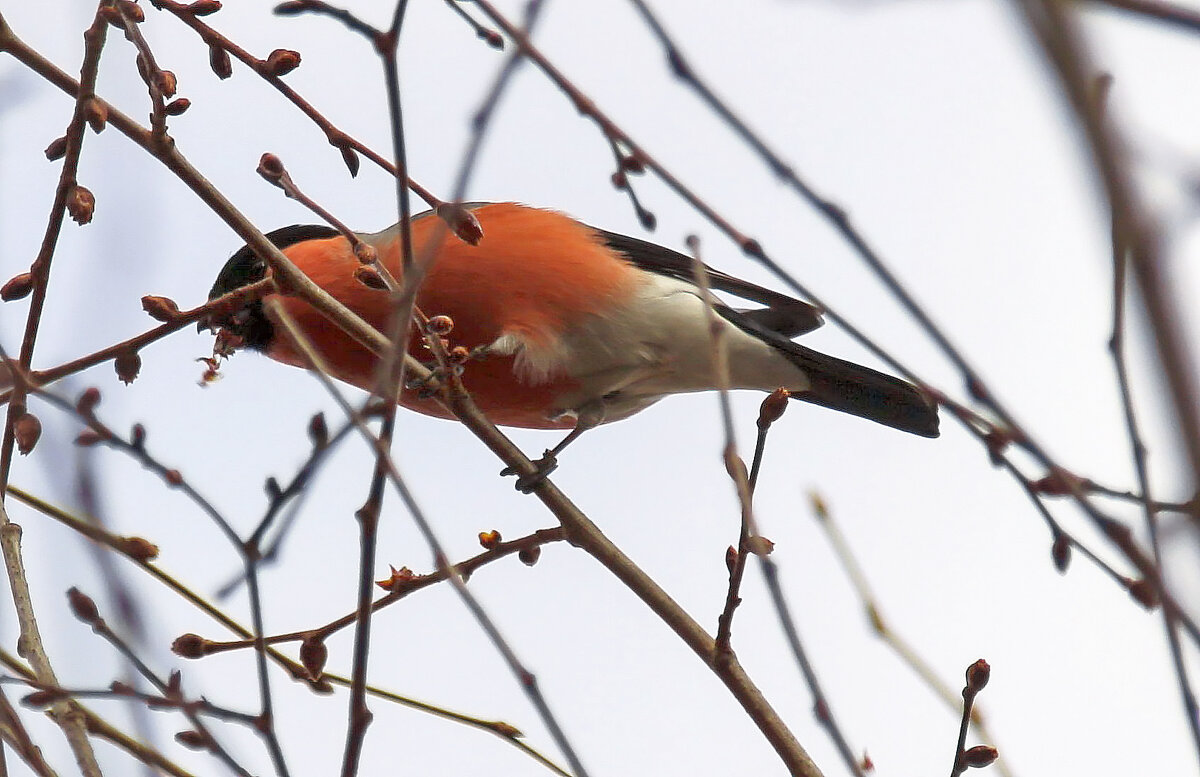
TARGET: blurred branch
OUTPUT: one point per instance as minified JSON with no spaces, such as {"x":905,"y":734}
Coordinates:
{"x":900,"y":646}
{"x":142,"y":553}
{"x":68,"y":195}
{"x":84,"y":608}
{"x":1135,"y":235}
{"x":98,"y":727}
{"x":99,"y":433}
{"x":1172,"y":13}
{"x":384,"y":463}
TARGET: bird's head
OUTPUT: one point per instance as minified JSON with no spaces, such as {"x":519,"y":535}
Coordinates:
{"x":249,"y":324}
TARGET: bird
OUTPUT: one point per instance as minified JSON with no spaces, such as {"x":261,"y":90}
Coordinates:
{"x":568,"y":326}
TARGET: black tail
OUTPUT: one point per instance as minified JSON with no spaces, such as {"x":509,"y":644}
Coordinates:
{"x":861,"y":391}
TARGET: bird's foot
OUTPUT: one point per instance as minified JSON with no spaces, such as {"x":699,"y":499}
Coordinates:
{"x":527,"y":483}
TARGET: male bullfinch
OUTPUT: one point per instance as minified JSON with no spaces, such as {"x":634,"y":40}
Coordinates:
{"x":569,"y":326}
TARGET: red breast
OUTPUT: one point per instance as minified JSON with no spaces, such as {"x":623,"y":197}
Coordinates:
{"x":535,"y":274}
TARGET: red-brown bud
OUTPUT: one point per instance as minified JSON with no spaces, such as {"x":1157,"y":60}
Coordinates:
{"x":83,"y":607}
{"x":980,"y":755}
{"x":978,"y":675}
{"x":218,"y":60}
{"x":167,"y":83}
{"x":173,"y":477}
{"x":204,"y":7}
{"x":139,"y":549}
{"x":271,"y":167}
{"x":506,"y":730}
{"x":318,"y":432}
{"x":86,"y":404}
{"x":81,"y":204}
{"x":17,"y":287}
{"x":368,"y":276}
{"x":137,"y":436}
{"x":177,"y":106}
{"x":731,"y":557}
{"x":530,"y":555}
{"x":1060,"y":551}
{"x":194,"y":740}
{"x":160,"y":308}
{"x":57,"y":148}
{"x":773,"y":407}
{"x":27,"y":429}
{"x":127,"y":364}
{"x":190,"y":646}
{"x":313,"y":654}
{"x":462,"y":222}
{"x":280,"y":62}
{"x":350,"y":157}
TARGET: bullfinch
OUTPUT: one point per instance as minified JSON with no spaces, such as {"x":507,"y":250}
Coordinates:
{"x":568,"y":326}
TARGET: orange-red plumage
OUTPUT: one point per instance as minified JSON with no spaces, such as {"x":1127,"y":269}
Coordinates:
{"x":534,"y":274}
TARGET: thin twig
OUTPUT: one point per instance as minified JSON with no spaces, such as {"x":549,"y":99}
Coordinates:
{"x":978,"y":674}
{"x":734,"y":465}
{"x":1138,"y":452}
{"x":99,"y":727}
{"x":67,"y":194}
{"x":528,"y":680}
{"x":171,"y":694}
{"x":336,"y":137}
{"x":136,"y":448}
{"x":142,"y":553}
{"x":1135,"y":236}
{"x":870,"y":603}
{"x":748,"y":532}
{"x":13,"y":731}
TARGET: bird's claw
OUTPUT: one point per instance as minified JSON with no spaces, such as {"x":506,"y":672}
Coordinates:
{"x":527,"y":483}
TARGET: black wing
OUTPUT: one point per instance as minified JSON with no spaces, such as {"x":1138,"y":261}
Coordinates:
{"x":783,"y":315}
